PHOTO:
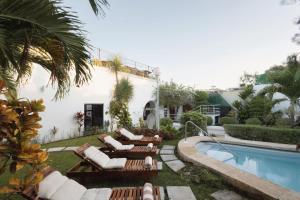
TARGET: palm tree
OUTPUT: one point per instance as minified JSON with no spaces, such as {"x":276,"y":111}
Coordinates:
{"x":286,"y":80}
{"x":46,"y":33}
{"x":115,"y":66}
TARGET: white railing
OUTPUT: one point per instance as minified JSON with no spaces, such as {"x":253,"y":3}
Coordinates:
{"x":205,"y":134}
{"x":210,"y":109}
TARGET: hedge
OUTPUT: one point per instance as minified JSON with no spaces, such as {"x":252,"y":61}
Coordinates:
{"x":228,"y":120}
{"x":253,"y":121}
{"x":262,"y":133}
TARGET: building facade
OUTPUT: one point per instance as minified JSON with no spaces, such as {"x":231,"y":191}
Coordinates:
{"x":92,"y":99}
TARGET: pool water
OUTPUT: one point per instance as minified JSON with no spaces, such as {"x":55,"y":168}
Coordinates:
{"x":280,"y":167}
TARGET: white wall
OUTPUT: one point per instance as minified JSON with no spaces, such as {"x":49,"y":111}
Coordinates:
{"x":60,"y":113}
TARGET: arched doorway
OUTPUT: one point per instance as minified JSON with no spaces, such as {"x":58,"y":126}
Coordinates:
{"x":149,"y":114}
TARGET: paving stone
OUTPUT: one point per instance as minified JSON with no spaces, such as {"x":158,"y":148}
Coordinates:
{"x":159,"y":165}
{"x":226,"y":195}
{"x":180,"y":193}
{"x":168,"y":157}
{"x":55,"y":149}
{"x":175,"y":165}
{"x":168,"y":147}
{"x":166,"y":152}
{"x":162,"y":193}
{"x":70,"y":148}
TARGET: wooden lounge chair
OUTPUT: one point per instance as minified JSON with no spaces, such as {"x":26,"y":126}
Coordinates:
{"x":135,"y":152}
{"x":144,"y":141}
{"x":129,"y":193}
{"x":88,"y":169}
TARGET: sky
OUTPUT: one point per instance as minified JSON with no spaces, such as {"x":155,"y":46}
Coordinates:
{"x":199,"y":43}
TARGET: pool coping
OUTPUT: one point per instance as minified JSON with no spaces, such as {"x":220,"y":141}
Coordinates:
{"x":249,"y":183}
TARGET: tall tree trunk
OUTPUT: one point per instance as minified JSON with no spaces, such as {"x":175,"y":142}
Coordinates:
{"x":292,"y":111}
{"x":116,"y":74}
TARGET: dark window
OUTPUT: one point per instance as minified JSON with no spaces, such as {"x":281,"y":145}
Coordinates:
{"x":93,"y":116}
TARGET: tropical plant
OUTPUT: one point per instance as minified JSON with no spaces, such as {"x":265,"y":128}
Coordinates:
{"x":118,"y":108}
{"x":19,"y":124}
{"x":123,"y":91}
{"x":48,"y":34}
{"x":119,"y":111}
{"x":285,"y":79}
{"x":79,"y":120}
{"x":115,"y":66}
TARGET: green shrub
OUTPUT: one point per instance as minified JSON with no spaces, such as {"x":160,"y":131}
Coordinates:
{"x":209,"y":120}
{"x":196,"y":117}
{"x":263,"y":133}
{"x":228,"y":120}
{"x":283,"y":122}
{"x":166,"y":121}
{"x":253,"y":121}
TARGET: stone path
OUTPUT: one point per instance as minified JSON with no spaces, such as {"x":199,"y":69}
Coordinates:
{"x":168,"y":156}
{"x":180,"y":193}
{"x":226,"y":195}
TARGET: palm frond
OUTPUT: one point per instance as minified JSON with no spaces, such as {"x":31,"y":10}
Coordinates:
{"x":47,"y":29}
{"x":97,"y":6}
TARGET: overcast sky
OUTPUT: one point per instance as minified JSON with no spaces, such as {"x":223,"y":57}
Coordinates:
{"x":196,"y":42}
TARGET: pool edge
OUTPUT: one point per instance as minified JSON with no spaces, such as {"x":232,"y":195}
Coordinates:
{"x":249,"y":183}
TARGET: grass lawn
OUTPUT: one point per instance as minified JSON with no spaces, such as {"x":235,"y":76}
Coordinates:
{"x":202,"y":182}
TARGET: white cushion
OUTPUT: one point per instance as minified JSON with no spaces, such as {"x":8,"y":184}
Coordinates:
{"x":50,"y":184}
{"x":150,"y":146}
{"x":130,"y":135}
{"x":116,"y":163}
{"x":148,"y":162}
{"x":127,"y":147}
{"x":148,"y":192}
{"x":97,"y":194}
{"x":116,"y":144}
{"x":70,"y":190}
{"x":156,"y":136}
{"x":97,"y":156}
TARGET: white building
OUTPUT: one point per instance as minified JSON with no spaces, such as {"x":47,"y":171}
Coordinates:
{"x":92,"y":99}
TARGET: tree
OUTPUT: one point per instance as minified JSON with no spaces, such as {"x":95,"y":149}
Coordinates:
{"x":285,"y":79}
{"x":46,"y":33}
{"x":115,"y":66}
{"x":247,"y":79}
{"x":200,"y":97}
{"x":123,"y":91}
{"x":118,"y":107}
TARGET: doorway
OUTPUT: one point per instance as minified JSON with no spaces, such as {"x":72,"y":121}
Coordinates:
{"x":93,"y":116}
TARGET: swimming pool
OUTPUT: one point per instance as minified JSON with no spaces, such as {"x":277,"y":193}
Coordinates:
{"x":280,"y":167}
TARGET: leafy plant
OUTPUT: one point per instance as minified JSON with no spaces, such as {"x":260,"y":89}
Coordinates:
{"x":79,"y":119}
{"x":166,"y":125}
{"x":124,"y":91}
{"x":196,"y":117}
{"x":228,"y":120}
{"x":200,"y":98}
{"x":209,"y":120}
{"x":119,"y":111}
{"x":285,"y":79}
{"x":19,"y":124}
{"x":253,"y":121}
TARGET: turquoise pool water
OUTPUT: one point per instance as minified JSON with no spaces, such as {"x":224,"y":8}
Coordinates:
{"x":280,"y":167}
